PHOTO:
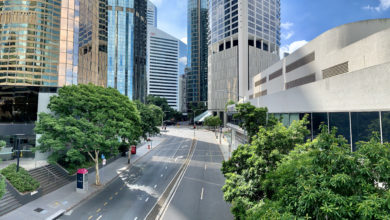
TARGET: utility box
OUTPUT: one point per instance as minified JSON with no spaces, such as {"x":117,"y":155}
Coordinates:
{"x":82,"y":180}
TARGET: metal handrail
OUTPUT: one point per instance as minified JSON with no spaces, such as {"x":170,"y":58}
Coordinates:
{"x":49,"y":172}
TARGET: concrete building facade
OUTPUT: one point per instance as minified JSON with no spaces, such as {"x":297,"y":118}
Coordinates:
{"x":244,"y":40}
{"x":341,"y":78}
{"x":163,"y":66}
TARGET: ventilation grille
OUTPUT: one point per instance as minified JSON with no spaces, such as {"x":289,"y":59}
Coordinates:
{"x":262,"y":81}
{"x":301,"y":62}
{"x":262,"y":93}
{"x":301,"y":81}
{"x":335,"y":70}
{"x":275,"y":74}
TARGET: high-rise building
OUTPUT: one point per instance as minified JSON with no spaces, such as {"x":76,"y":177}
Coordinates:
{"x":126,"y":67}
{"x":197,"y":28}
{"x":244,"y":40}
{"x":45,"y":45}
{"x":151,"y":14}
{"x":165,"y":65}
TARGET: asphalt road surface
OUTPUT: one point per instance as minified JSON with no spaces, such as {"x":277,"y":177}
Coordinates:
{"x":199,"y":194}
{"x":134,"y":194}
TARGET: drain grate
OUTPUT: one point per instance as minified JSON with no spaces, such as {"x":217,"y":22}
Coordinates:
{"x":38,"y":210}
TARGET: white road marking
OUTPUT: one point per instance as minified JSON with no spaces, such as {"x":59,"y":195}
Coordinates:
{"x":146,"y":199}
{"x":162,"y":175}
{"x":175,"y":159}
{"x":205,"y":166}
{"x":166,"y":167}
{"x":155,"y":186}
{"x":135,"y":218}
{"x":201,"y":194}
{"x":99,"y":217}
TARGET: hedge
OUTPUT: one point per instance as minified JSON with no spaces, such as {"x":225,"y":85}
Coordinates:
{"x":21,"y":180}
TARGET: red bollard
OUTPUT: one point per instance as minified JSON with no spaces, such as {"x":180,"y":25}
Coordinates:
{"x":148,"y":146}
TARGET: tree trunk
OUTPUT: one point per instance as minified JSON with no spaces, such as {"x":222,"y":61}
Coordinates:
{"x":97,"y":182}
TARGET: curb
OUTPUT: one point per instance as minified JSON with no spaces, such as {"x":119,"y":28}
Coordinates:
{"x":109,"y":182}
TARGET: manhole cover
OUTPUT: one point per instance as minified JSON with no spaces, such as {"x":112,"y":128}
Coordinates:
{"x":38,"y":210}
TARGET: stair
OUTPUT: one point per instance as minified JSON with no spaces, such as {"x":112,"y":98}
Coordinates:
{"x":8,"y":203}
{"x":50,"y":178}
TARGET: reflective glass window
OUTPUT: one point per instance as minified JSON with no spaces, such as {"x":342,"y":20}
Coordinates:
{"x":341,"y":122}
{"x":363,"y":125}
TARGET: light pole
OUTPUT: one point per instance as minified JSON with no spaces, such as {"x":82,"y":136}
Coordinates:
{"x":17,"y":137}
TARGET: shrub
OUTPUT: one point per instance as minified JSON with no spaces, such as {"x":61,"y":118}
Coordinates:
{"x":21,"y":180}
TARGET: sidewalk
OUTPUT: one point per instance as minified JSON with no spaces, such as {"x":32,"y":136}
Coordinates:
{"x":66,"y":198}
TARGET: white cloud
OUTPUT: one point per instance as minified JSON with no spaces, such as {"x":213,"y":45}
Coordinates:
{"x":157,"y":2}
{"x":292,"y":47}
{"x":288,"y":35}
{"x":287,"y":25}
{"x":184,"y":40}
{"x":183,"y":60}
{"x":383,"y":6}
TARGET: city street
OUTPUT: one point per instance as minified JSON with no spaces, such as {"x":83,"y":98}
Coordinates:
{"x":137,"y":190}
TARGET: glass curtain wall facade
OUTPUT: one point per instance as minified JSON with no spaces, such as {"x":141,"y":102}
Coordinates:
{"x":353,"y":126}
{"x":93,"y":42}
{"x":69,"y":43}
{"x":29,"y":44}
{"x":197,"y":51}
{"x":151,"y":14}
{"x":126,"y":67}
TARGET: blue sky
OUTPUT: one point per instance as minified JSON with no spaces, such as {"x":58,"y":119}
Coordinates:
{"x":302,"y":20}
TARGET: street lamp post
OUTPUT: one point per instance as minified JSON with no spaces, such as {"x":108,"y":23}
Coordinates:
{"x":17,"y":137}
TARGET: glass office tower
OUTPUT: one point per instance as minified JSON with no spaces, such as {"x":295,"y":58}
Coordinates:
{"x":197,"y":51}
{"x":127,"y":47}
{"x":29,"y":44}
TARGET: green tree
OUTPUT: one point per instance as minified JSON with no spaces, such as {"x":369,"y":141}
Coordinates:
{"x":324,"y":179}
{"x":169,"y":112}
{"x":150,"y":118}
{"x":2,"y":183}
{"x":249,"y":165}
{"x":197,"y":109}
{"x":213,"y":121}
{"x":88,"y":120}
{"x":251,"y":118}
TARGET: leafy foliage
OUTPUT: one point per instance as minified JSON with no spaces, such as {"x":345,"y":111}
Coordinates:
{"x":251,"y":118}
{"x":249,"y":165}
{"x":279,"y":176}
{"x":324,"y":179}
{"x":196,"y":109}
{"x":87,"y":121}
{"x":212,"y":121}
{"x":169,"y":112}
{"x":21,"y":180}
{"x":150,"y":118}
{"x":2,"y":144}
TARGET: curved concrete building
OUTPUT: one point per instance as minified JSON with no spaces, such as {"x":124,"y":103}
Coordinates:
{"x":340,"y":78}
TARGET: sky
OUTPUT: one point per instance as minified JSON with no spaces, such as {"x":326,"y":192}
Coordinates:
{"x":302,"y":20}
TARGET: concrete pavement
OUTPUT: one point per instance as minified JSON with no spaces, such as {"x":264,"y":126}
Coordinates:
{"x":66,"y":197}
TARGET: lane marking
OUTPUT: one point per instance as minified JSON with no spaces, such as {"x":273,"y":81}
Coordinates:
{"x":135,"y":218}
{"x":116,"y":193}
{"x":166,"y":167}
{"x":205,"y":166}
{"x":162,"y":175}
{"x":201,"y":194}
{"x":105,"y":203}
{"x":99,"y":209}
{"x":99,"y":217}
{"x":155,"y":186}
{"x":110,"y":198}
{"x":90,"y":217}
{"x":146,"y":199}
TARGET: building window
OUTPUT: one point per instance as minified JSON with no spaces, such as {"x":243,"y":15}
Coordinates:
{"x":363,"y":126}
{"x":340,"y":120}
{"x":386,"y":126}
{"x":318,"y":120}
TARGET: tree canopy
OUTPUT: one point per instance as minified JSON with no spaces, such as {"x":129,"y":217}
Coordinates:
{"x":87,"y":120}
{"x":150,"y":118}
{"x":212,"y":121}
{"x":169,"y":112}
{"x":251,"y":118}
{"x":2,"y":183}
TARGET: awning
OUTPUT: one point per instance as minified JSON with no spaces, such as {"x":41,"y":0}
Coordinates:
{"x":203,"y":116}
